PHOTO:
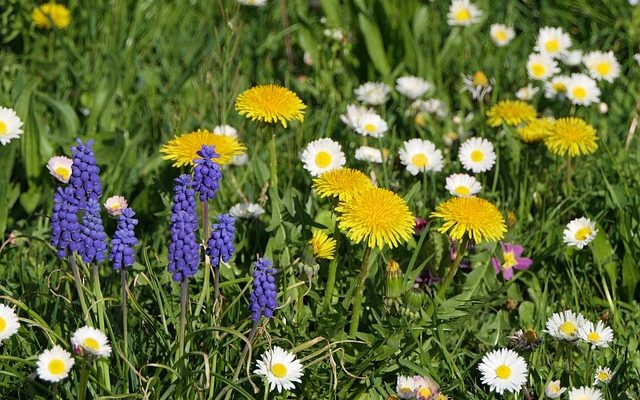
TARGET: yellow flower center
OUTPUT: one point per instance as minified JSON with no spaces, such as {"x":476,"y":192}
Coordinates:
{"x":462,"y":190}
{"x":463,"y":15}
{"x":509,"y":260}
{"x":579,"y":93}
{"x":477,"y":155}
{"x":405,"y":390}
{"x":501,"y":35}
{"x":56,"y":366}
{"x":559,"y":87}
{"x":3,"y":324}
{"x":538,"y":70}
{"x":552,"y":46}
{"x":480,"y":79}
{"x":554,"y":388}
{"x":603,"y":68}
{"x":91,"y":343}
{"x":583,"y":233}
{"x":425,"y":392}
{"x":115,"y":205}
{"x":420,"y":160}
{"x":323,"y":159}
{"x":64,"y":172}
{"x":603,"y":376}
{"x":3,"y":128}
{"x":503,"y":372}
{"x":593,"y":337}
{"x":370,"y":128}
{"x":279,"y":370}
{"x":568,"y":328}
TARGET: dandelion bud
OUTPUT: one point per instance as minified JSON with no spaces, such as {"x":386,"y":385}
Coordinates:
{"x":393,"y":283}
{"x":414,"y":299}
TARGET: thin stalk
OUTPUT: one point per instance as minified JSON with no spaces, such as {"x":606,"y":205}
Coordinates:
{"x":462,"y":248}
{"x":204,"y":294}
{"x":333,"y":270}
{"x":216,"y":282}
{"x":125,"y":323}
{"x":357,"y":300}
{"x":100,"y":311}
{"x":78,"y":281}
{"x":273,"y":164}
{"x":183,"y":316}
{"x":245,"y":351}
{"x":84,"y":377}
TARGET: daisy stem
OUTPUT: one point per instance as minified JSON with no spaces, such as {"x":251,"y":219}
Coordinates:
{"x":462,"y":248}
{"x":526,"y":393}
{"x":76,"y":278}
{"x":84,"y":377}
{"x":357,"y":300}
{"x":97,"y":292}
{"x":183,"y":316}
{"x":333,"y":270}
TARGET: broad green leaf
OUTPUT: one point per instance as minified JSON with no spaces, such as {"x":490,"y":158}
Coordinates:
{"x":374,"y":44}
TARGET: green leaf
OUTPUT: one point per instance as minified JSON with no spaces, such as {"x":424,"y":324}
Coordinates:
{"x":526,"y":311}
{"x":66,"y":113}
{"x":630,"y":275}
{"x":375,"y":46}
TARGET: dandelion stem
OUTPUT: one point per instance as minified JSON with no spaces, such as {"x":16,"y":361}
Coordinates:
{"x":357,"y":300}
{"x":76,"y":278}
{"x":273,"y":165}
{"x":333,"y":270}
{"x":183,"y":316}
{"x":462,"y":248}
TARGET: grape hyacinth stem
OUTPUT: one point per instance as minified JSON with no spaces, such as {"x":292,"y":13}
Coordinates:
{"x":183,"y":316}
{"x":78,"y":281}
{"x":204,"y":294}
{"x":357,"y":300}
{"x":125,"y":322}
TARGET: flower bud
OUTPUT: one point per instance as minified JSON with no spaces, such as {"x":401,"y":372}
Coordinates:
{"x":393,"y":283}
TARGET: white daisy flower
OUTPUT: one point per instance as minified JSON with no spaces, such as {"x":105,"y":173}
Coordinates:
{"x":369,"y":154}
{"x":8,"y":322}
{"x":501,"y":34}
{"x":322,"y":155}
{"x":580,"y":232}
{"x":281,"y":368}
{"x":582,"y":90}
{"x":246,"y":210}
{"x":602,"y":66}
{"x":526,"y":93}
{"x":572,"y":58}
{"x":225,"y":130}
{"x":477,"y":155}
{"x":431,"y":106}
{"x":598,"y":335}
{"x":54,"y":365}
{"x":115,"y":205}
{"x":412,"y":86}
{"x":565,"y":325}
{"x":426,"y":388}
{"x":92,"y":341}
{"x":552,"y":41}
{"x":462,"y":185}
{"x":10,"y":125}
{"x":553,"y":390}
{"x":354,"y":113}
{"x":541,"y":66}
{"x":556,"y":87}
{"x":585,"y":393}
{"x":60,"y":168}
{"x":478,"y":84}
{"x":503,"y":370}
{"x":603,"y":375}
{"x":373,"y":93}
{"x":371,"y":124}
{"x":405,"y":387}
{"x":420,"y":155}
{"x":255,"y":3}
{"x":463,"y":13}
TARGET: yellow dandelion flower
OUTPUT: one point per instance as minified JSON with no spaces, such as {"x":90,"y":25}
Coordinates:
{"x":270,"y":103}
{"x":340,"y":183}
{"x":376,"y":215}
{"x":536,"y":130}
{"x":476,"y":218}
{"x":511,"y":112}
{"x":573,"y":136}
{"x":182,"y":150}
{"x":50,"y":12}
{"x":323,"y":246}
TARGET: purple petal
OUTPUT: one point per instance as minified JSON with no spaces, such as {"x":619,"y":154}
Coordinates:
{"x":523,"y":263}
{"x":496,"y":264}
{"x":507,"y":274}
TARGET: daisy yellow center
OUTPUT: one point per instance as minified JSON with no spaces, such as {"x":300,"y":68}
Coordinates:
{"x":567,"y":327}
{"x":56,"y":366}
{"x":538,"y":70}
{"x":503,"y":372}
{"x":420,"y":160}
{"x":463,"y":15}
{"x":593,"y":337}
{"x":323,"y":159}
{"x":603,"y":376}
{"x":501,"y":35}
{"x":480,"y":79}
{"x":279,"y":370}
{"x":91,"y":343}
{"x":64,"y":172}
{"x":3,"y":324}
{"x":115,"y":205}
{"x":583,"y":233}
{"x":559,"y":87}
{"x":603,"y":68}
{"x":552,"y":46}
{"x":579,"y":93}
{"x":370,"y":128}
{"x":554,"y":388}
{"x":405,"y":390}
{"x":477,"y":155}
{"x":462,"y":190}
{"x":425,"y":392}
{"x":509,"y":260}
{"x":3,"y":128}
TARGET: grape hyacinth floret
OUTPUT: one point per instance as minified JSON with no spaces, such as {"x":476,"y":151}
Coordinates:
{"x":124,"y":240}
{"x":206,"y":173}
{"x":184,"y":251}
{"x":263,"y":298}
{"x":220,"y":245}
{"x":93,"y":237}
{"x":184,"y":199}
{"x":85,"y":174}
{"x":65,"y":227}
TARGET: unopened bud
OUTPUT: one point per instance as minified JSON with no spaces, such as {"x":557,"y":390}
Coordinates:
{"x":393,"y":283}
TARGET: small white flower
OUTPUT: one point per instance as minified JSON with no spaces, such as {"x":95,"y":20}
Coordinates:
{"x":637,"y":58}
{"x":322,"y":155}
{"x":426,"y":388}
{"x":280,"y":368}
{"x":405,"y":387}
{"x":572,"y":58}
{"x":462,"y":185}
{"x":526,"y":93}
{"x":371,"y":124}
{"x":60,"y":168}
{"x":478,"y":85}
{"x":240,"y":160}
{"x":10,"y":125}
{"x":556,"y":87}
{"x":255,"y":3}
{"x":225,"y":130}
{"x":503,"y":370}
{"x":373,"y":93}
{"x":552,"y":41}
{"x":431,"y":106}
{"x":335,"y":34}
{"x":603,"y":107}
{"x":585,"y":393}
{"x":246,"y":210}
{"x":582,"y":90}
{"x":553,"y":390}
{"x":354,"y":113}
{"x":420,"y":155}
{"x":54,"y":365}
{"x":501,"y":34}
{"x":597,"y":335}
{"x":565,"y":325}
{"x":115,"y":205}
{"x":541,"y":66}
{"x":463,"y":13}
{"x":603,"y":375}
{"x":602,"y":66}
{"x":369,"y":154}
{"x":580,"y":232}
{"x":477,"y":155}
{"x":92,"y":341}
{"x":8,"y":322}
{"x":412,"y":86}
